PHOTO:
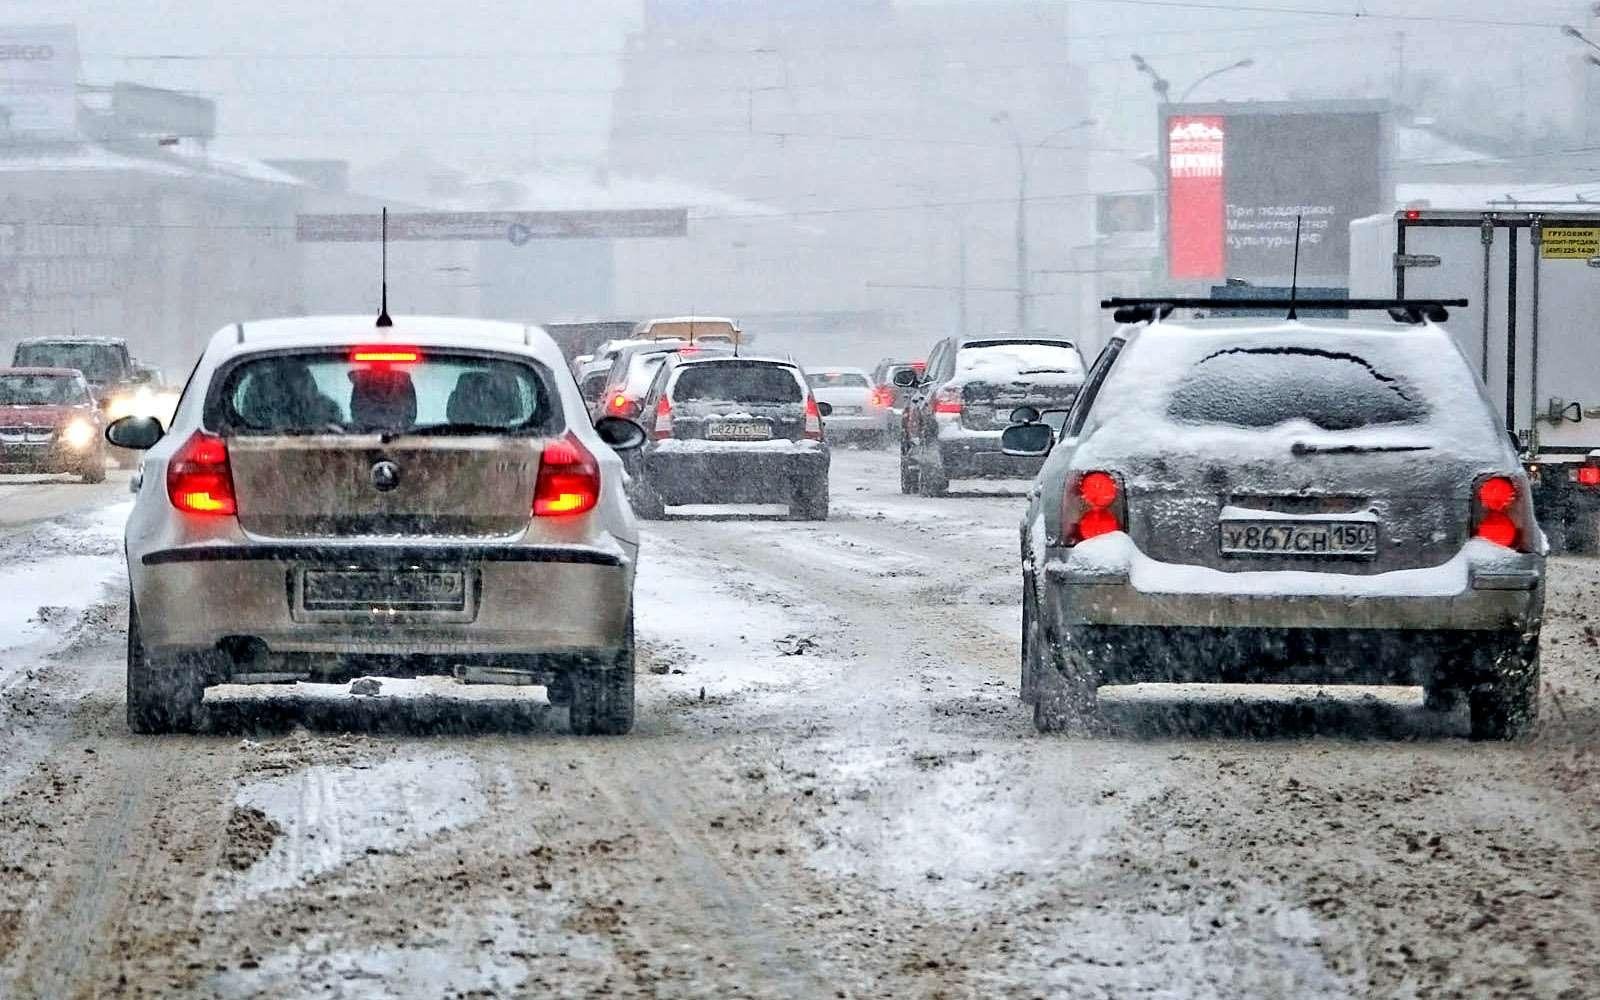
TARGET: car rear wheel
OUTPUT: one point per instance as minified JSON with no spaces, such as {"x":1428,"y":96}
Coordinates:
{"x":932,"y":482}
{"x":164,"y":693}
{"x":1065,"y":692}
{"x":602,"y":696}
{"x":810,"y":502}
{"x":1030,"y":640}
{"x":909,"y":484}
{"x":1508,"y":706}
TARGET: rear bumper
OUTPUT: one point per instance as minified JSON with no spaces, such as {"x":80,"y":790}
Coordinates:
{"x":523,"y":600}
{"x":1107,"y":582}
{"x":841,"y":425}
{"x":729,"y":475}
{"x":969,"y":454}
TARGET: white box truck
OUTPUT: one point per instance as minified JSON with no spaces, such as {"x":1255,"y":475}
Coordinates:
{"x":1532,"y":327}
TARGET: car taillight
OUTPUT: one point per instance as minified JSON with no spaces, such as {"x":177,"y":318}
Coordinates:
{"x":1091,"y":507}
{"x":947,"y":400}
{"x":883,"y":396}
{"x":1498,"y":512}
{"x":199,"y":480}
{"x":663,"y":425}
{"x":569,"y":480}
{"x":813,"y":419}
{"x":621,"y":406}
{"x":1586,"y":475}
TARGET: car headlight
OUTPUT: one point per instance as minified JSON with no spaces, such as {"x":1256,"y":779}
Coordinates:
{"x":120,"y":406}
{"x":78,"y":435}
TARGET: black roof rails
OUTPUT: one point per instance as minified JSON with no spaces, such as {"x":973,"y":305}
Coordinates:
{"x":1148,"y":310}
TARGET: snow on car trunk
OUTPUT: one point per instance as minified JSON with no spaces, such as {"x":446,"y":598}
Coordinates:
{"x":996,"y":377}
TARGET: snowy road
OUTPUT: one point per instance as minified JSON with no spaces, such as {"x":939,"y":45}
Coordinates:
{"x":832,"y":791}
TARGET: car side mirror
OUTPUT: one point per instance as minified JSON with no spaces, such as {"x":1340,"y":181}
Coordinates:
{"x":1025,"y":415}
{"x":1027,"y":440}
{"x":826,"y":409}
{"x":906,"y":378}
{"x":621,"y":434}
{"x":135,"y":433}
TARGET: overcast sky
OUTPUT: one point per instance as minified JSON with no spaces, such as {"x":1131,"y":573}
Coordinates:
{"x":499,"y":85}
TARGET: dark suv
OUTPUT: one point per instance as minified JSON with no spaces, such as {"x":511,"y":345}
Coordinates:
{"x":952,"y":424}
{"x":732,"y":430}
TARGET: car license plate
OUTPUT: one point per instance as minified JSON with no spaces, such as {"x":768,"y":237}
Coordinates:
{"x":739,"y":430}
{"x":383,"y":590}
{"x":1299,"y":538}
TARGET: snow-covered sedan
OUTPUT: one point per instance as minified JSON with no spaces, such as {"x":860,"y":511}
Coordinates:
{"x":335,"y":499}
{"x":862,"y":410}
{"x":729,"y":430}
{"x":1256,"y":500}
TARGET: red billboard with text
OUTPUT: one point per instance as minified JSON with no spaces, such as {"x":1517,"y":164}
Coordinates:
{"x":1195,"y":196}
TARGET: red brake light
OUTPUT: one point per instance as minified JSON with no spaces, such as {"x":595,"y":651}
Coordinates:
{"x":384,"y":355}
{"x":947,"y":400}
{"x":199,"y":480}
{"x":621,"y":406}
{"x":1588,"y":475}
{"x":813,"y":419}
{"x":569,"y":480}
{"x":663,"y":425}
{"x":1413,"y":214}
{"x":1497,"y":518}
{"x":1092,"y":508}
{"x":883,"y":396}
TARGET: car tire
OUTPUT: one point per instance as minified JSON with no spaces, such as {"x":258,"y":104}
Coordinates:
{"x":1508,"y":706}
{"x":602,"y":696}
{"x":910,"y":480}
{"x":647,"y":503}
{"x":1030,"y":641}
{"x":1065,"y":693}
{"x":165,"y":694}
{"x":810,"y":502}
{"x":95,"y":471}
{"x":931,"y":483}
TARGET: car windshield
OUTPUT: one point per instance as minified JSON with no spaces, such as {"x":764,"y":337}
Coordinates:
{"x":322,"y":392}
{"x":1265,"y":387}
{"x":98,"y":362}
{"x":737,"y":382}
{"x":838,"y":380}
{"x":40,"y":390}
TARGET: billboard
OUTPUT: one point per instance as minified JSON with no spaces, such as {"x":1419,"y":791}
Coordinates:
{"x":39,"y":78}
{"x":1238,"y":176}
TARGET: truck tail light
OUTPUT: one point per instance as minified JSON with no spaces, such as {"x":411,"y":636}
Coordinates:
{"x":883,"y":397}
{"x":569,"y":480}
{"x":1587,"y":474}
{"x":947,"y":401}
{"x":1092,"y":506}
{"x":813,"y":419}
{"x":663,"y":425}
{"x":199,"y":480}
{"x":1499,"y":512}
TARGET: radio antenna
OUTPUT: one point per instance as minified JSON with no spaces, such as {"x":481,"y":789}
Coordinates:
{"x":383,"y":257}
{"x":1294,"y":277}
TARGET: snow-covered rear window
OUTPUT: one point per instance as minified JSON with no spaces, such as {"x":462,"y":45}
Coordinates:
{"x":1265,"y":387}
{"x":642,"y":370}
{"x":838,"y":380}
{"x":737,"y":382}
{"x":438,"y":392}
{"x":1020,"y":358}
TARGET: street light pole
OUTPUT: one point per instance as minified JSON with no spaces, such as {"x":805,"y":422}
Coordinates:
{"x":1241,"y":64}
{"x":1024,"y":167}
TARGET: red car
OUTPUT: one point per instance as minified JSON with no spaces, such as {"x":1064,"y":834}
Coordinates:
{"x":49,"y":423}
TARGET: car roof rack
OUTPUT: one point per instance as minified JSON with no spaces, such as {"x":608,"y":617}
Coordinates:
{"x":1149,"y":310}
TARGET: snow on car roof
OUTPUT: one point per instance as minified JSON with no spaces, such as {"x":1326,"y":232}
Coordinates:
{"x":73,"y":338}
{"x":412,"y":331}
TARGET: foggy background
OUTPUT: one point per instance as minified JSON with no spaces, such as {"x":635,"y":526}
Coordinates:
{"x":852,"y":168}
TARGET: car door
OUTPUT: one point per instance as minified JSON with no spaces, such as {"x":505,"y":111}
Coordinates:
{"x":920,"y":425}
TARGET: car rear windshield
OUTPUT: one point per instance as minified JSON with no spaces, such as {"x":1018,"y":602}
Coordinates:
{"x":838,"y":380}
{"x":642,"y":370}
{"x":98,"y":362}
{"x":1265,"y":387}
{"x":391,"y":391}
{"x":738,"y":382}
{"x":41,"y":390}
{"x":1021,"y":358}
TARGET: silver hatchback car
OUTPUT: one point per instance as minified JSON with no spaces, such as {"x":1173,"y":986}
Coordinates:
{"x":335,"y":499}
{"x":1252,"y":500}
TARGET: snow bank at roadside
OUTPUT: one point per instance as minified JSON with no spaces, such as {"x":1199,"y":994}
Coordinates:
{"x":50,"y":574}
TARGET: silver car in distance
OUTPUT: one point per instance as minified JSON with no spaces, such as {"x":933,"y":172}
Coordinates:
{"x":334,"y":500}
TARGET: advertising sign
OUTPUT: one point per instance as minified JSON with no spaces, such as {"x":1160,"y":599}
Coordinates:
{"x":1570,"y":243}
{"x":1237,"y":180}
{"x":39,"y":78}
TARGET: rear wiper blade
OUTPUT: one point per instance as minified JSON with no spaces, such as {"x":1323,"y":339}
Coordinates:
{"x":446,"y":430}
{"x":1304,"y":448}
